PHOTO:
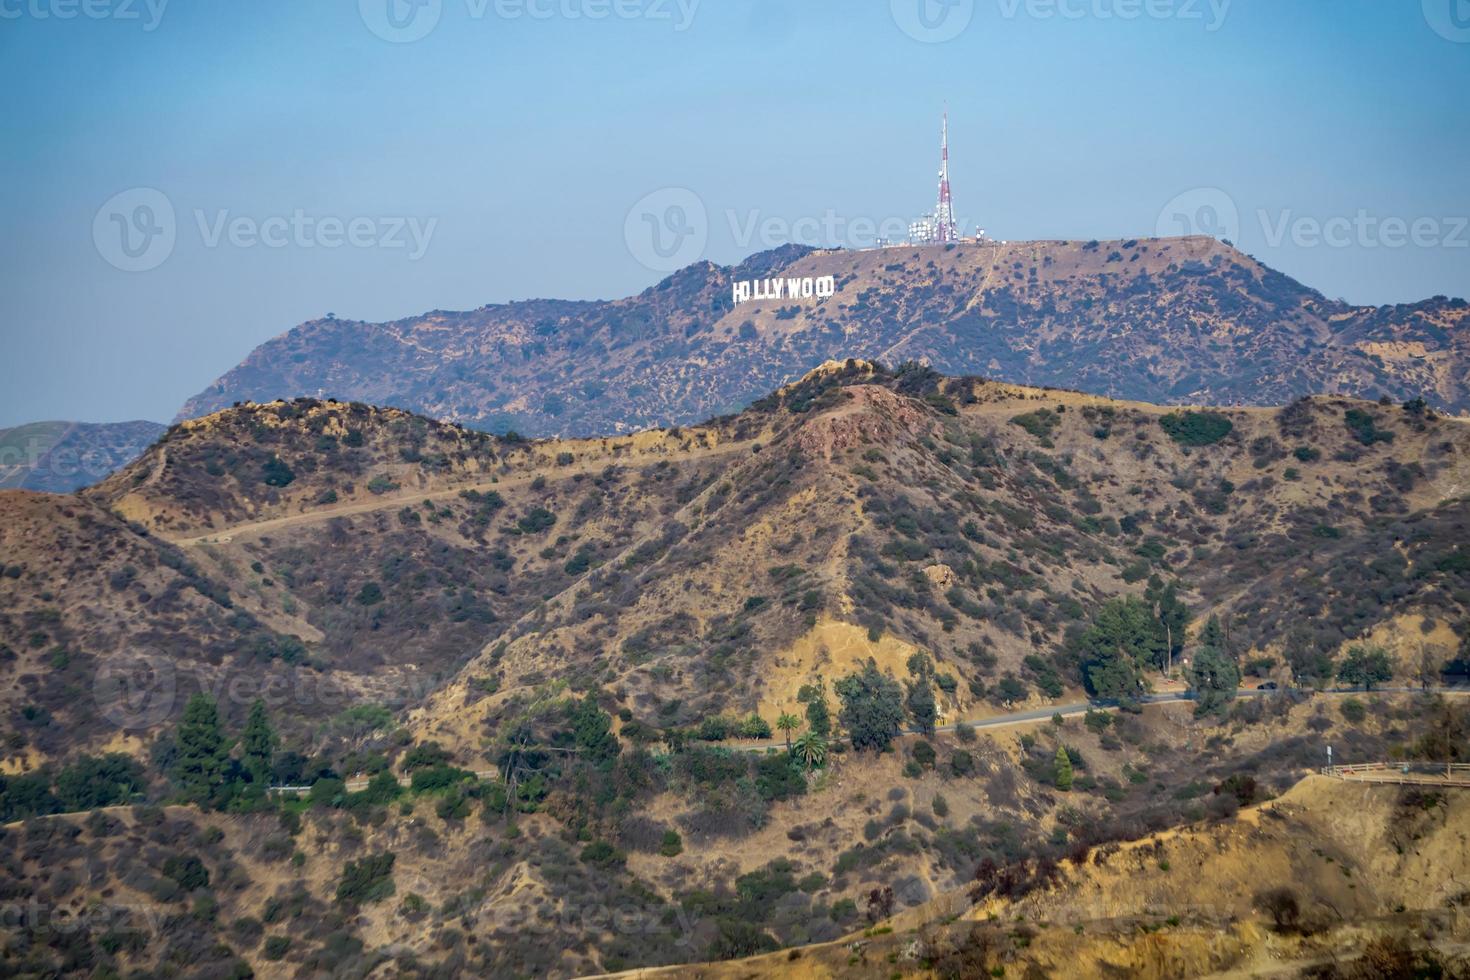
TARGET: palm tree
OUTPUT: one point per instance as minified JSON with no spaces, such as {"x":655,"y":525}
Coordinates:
{"x":788,"y":723}
{"x":811,"y":749}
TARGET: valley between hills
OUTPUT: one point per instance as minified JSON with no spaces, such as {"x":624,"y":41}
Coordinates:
{"x":625,"y":634}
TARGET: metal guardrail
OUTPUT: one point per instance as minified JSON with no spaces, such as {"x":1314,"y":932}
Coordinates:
{"x":359,"y":783}
{"x":1405,"y":773}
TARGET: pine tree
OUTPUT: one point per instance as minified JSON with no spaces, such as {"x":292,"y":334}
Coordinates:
{"x":921,"y":704}
{"x":200,"y":764}
{"x":259,"y":744}
{"x":1062,"y":769}
{"x":1213,"y":678}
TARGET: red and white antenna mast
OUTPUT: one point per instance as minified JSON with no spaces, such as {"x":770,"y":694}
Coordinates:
{"x":945,"y":229}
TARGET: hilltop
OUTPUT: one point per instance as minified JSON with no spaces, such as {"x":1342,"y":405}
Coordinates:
{"x":717,"y":569}
{"x":1167,"y":321}
{"x":1330,"y":879}
{"x":614,"y":626}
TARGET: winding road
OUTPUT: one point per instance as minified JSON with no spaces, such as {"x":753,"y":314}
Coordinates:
{"x":359,"y":783}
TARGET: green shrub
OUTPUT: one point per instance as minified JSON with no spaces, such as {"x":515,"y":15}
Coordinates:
{"x":601,"y":854}
{"x":275,"y":473}
{"x":368,"y":880}
{"x":1196,"y":428}
{"x":381,"y":484}
{"x":1040,"y":423}
{"x":187,"y":871}
{"x":1364,"y":427}
{"x":536,"y":520}
{"x":778,"y":777}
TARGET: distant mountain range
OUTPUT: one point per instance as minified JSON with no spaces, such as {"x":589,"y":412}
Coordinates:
{"x":60,"y":457}
{"x":1169,"y":321}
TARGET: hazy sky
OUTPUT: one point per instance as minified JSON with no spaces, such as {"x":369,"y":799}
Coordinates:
{"x":180,"y":182}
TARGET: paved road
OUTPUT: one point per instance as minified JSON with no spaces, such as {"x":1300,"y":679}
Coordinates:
{"x":360,"y":783}
{"x":1082,"y":707}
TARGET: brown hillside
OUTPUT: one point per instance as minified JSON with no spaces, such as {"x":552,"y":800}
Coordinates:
{"x":719,"y":568}
{"x":1183,"y":320}
{"x":1366,"y":878}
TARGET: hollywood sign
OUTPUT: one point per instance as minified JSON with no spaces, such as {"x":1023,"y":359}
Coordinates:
{"x":819,"y":287}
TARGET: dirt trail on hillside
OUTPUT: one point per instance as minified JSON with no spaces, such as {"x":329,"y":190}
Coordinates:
{"x":388,"y":502}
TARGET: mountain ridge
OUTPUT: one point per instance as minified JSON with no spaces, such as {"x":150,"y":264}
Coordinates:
{"x":1167,"y":321}
{"x":423,"y":603}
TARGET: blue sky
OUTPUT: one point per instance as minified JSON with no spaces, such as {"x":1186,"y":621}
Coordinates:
{"x":311,"y":165}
